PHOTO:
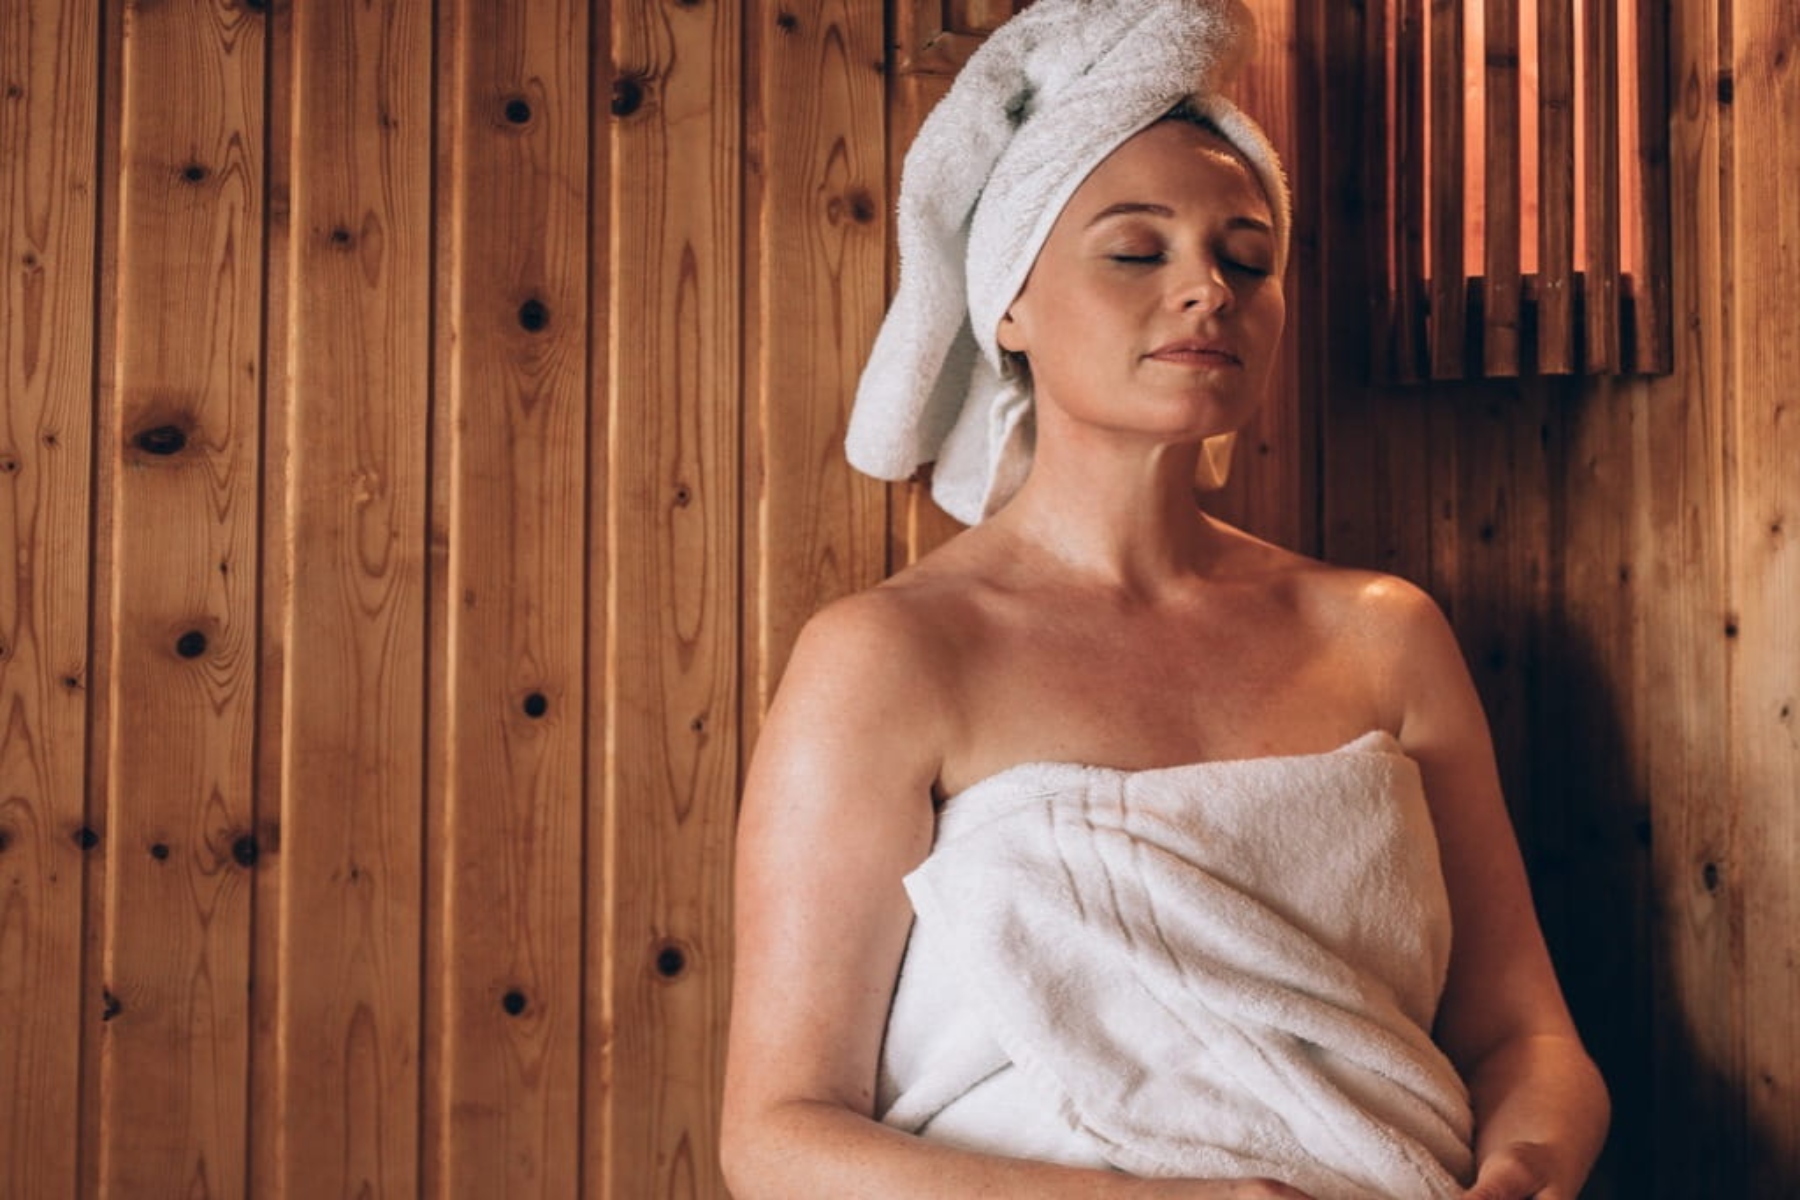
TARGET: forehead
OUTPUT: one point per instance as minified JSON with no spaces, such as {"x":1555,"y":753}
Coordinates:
{"x":1176,"y":163}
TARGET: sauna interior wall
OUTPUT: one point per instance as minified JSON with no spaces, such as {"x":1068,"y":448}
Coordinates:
{"x":420,"y":448}
{"x":1619,"y":559}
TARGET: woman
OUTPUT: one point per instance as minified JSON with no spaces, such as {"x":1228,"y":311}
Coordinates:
{"x":1108,"y":850}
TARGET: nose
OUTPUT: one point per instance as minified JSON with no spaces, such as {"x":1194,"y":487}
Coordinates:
{"x":1204,"y":289}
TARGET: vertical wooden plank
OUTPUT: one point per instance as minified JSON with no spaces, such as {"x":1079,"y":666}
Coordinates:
{"x":1449,"y":324}
{"x":1275,"y":456}
{"x":336,"y":1055}
{"x":1556,"y":188}
{"x":816,"y":203}
{"x":1408,"y":333}
{"x":182,"y":521}
{"x":1500,"y":266}
{"x":506,"y":762}
{"x":672,"y":603}
{"x":1600,"y":116}
{"x":48,"y":129}
{"x":1684,"y":513}
{"x":1764,"y":54}
{"x":1652,"y":350}
{"x":1590,"y":832}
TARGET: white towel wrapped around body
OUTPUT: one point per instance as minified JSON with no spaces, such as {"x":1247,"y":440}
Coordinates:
{"x":1222,"y":970}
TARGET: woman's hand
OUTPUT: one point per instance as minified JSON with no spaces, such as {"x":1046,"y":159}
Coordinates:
{"x":1520,"y":1171}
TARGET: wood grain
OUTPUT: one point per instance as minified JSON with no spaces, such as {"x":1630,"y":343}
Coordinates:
{"x":1555,"y":290}
{"x":1764,"y":561}
{"x":672,"y":607}
{"x":1651,"y":331}
{"x":48,"y":150}
{"x":181,"y":517}
{"x":508,"y":751}
{"x":343,"y":725}
{"x":1500,"y":283}
{"x":817,"y":206}
{"x":1600,"y":117}
{"x":1410,"y":231}
{"x":1449,"y":325}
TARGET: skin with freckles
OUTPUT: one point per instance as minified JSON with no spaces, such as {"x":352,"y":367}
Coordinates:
{"x":1101,"y":616}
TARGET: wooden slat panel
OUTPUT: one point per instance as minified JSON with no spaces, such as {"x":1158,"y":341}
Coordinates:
{"x":336,"y":1064}
{"x":1556,"y":188}
{"x":507,"y":754}
{"x":1449,"y":278}
{"x":1500,"y":266}
{"x":48,"y":74}
{"x":1589,"y":835}
{"x":672,"y":606}
{"x":1684,"y":442}
{"x":1408,"y":333}
{"x":1652,"y":351}
{"x":1765,"y":571}
{"x":181,"y":518}
{"x":816,"y":297}
{"x":1600,"y":116}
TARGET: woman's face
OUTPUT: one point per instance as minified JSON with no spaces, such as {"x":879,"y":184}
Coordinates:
{"x":1152,"y":308}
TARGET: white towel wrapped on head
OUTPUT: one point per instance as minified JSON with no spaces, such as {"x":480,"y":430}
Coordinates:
{"x":1043,"y":101}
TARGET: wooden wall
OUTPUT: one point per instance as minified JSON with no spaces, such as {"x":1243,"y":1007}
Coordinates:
{"x":421,"y":446}
{"x":1618,"y":557}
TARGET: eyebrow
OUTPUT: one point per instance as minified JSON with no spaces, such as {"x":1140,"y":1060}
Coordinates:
{"x":1132,"y":208}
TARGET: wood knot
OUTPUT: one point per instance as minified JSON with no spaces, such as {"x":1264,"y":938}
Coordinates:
{"x":516,"y":110}
{"x":514,"y":1003}
{"x":534,"y":316}
{"x":536,"y":705}
{"x":162,"y":440}
{"x":86,"y":838}
{"x":786,"y":21}
{"x":109,"y":1005}
{"x":1709,"y":876}
{"x":191,"y":644}
{"x":244,"y":851}
{"x":159,"y":851}
{"x":627,"y":95}
{"x":671,"y":960}
{"x":194,"y":173}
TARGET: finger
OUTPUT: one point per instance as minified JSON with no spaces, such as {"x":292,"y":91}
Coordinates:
{"x":1505,"y":1177}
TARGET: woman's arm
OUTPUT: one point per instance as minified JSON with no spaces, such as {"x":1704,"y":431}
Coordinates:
{"x":1541,"y":1108}
{"x":837,"y":808}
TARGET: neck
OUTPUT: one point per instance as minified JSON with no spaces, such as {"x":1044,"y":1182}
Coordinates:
{"x":1115,"y":514}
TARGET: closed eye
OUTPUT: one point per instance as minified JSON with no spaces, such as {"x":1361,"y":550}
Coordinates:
{"x":1136,"y":258}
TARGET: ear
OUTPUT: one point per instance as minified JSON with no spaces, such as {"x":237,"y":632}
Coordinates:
{"x":1010,"y":336}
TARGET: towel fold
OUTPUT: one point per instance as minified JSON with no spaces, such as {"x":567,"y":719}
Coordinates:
{"x":1223,"y":970}
{"x":1048,"y":96}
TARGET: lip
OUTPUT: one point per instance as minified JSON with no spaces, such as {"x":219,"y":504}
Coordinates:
{"x":1197,"y":352}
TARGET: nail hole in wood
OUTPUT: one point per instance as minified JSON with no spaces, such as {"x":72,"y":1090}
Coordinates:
{"x":787,"y":22}
{"x":1731,"y":627}
{"x":8,"y":465}
{"x":244,"y":851}
{"x":533,"y":316}
{"x":1709,"y":875}
{"x":109,"y":1006}
{"x":342,"y":238}
{"x":193,"y":173}
{"x":191,"y":644}
{"x":162,"y":440}
{"x":513,"y":1002}
{"x":86,"y":838}
{"x":159,"y":851}
{"x":536,"y":705}
{"x":684,"y":495}
{"x":5,"y":839}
